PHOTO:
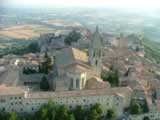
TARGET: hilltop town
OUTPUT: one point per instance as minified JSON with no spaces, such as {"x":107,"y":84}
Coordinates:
{"x":77,"y":66}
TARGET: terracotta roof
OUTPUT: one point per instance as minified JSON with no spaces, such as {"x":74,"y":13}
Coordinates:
{"x":30,"y":55}
{"x":29,"y":62}
{"x":69,"y":56}
{"x":33,"y":62}
{"x":93,"y":92}
{"x":153,"y":106}
{"x":95,"y":83}
{"x":6,"y":91}
{"x":10,"y":56}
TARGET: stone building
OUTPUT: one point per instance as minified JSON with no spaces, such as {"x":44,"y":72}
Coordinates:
{"x":73,"y":67}
{"x":21,"y":101}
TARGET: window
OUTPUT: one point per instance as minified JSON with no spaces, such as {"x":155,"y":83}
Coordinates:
{"x":32,"y":108}
{"x":19,"y":97}
{"x":96,"y":62}
{"x":77,"y":83}
{"x":83,"y":82}
{"x":71,"y":83}
{"x":99,"y":53}
{"x":84,"y":100}
{"x":11,"y":98}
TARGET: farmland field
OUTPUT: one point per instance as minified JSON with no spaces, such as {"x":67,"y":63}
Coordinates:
{"x":27,"y":31}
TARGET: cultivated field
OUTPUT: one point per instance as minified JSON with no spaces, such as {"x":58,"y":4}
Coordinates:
{"x":60,"y":23}
{"x":24,"y":31}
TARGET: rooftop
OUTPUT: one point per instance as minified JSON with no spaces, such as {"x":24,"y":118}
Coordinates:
{"x":69,"y":56}
{"x":95,"y":83}
{"x":94,"y":92}
{"x":6,"y":91}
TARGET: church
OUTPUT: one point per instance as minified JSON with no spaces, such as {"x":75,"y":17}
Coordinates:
{"x":75,"y":81}
{"x":75,"y":70}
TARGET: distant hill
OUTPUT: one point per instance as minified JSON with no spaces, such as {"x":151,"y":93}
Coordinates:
{"x":152,"y":49}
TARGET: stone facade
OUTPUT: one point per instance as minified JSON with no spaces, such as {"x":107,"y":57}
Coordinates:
{"x":21,"y":101}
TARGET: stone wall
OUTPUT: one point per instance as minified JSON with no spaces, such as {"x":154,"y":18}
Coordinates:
{"x":24,"y":103}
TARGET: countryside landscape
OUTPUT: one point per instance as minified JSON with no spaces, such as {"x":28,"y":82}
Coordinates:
{"x":27,"y":24}
{"x":79,"y":60}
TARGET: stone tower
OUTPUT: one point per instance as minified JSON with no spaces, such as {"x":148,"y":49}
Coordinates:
{"x":95,"y":52}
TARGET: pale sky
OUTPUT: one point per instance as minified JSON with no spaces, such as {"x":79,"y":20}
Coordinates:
{"x":83,"y":3}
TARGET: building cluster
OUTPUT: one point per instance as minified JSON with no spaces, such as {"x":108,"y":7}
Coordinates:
{"x":76,"y":77}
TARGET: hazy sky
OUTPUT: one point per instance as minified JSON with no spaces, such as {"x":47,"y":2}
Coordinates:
{"x":82,"y":3}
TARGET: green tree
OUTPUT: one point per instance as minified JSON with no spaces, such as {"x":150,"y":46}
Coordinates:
{"x":145,"y":107}
{"x":12,"y":116}
{"x":53,"y":115}
{"x":146,"y":118}
{"x":99,"y":109}
{"x":44,"y":85}
{"x":111,"y":114}
{"x":116,"y":78}
{"x":42,"y":114}
{"x":112,"y":78}
{"x":33,"y":47}
{"x":79,"y":112}
{"x":47,"y":65}
{"x":50,"y":105}
{"x":136,"y":108}
{"x":3,"y":116}
{"x":104,"y":76}
{"x":62,"y":113}
{"x":28,"y":117}
{"x":72,"y":37}
{"x":93,"y":115}
{"x":71,"y":117}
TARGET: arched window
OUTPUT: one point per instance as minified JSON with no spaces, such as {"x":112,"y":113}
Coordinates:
{"x":77,"y":83}
{"x":82,"y":82}
{"x":94,"y":53}
{"x":96,"y":62}
{"x":71,"y":83}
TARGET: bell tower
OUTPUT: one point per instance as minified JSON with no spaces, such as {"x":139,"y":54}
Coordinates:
{"x":95,"y":52}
